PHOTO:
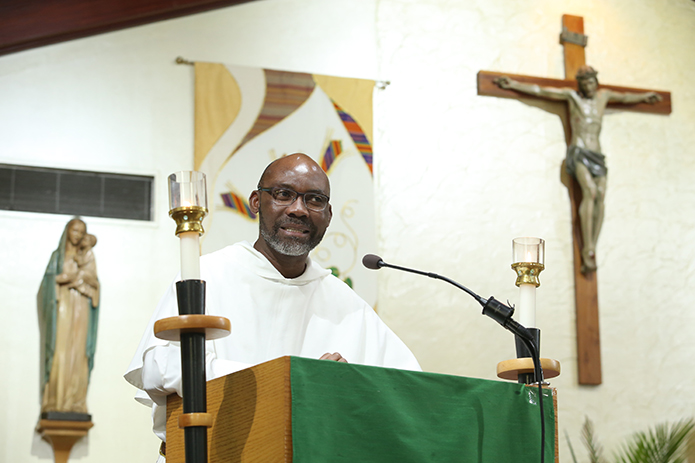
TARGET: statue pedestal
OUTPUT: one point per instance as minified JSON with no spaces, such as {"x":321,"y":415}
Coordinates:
{"x":62,"y":435}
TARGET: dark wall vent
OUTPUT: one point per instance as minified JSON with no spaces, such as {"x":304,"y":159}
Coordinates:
{"x":73,"y":192}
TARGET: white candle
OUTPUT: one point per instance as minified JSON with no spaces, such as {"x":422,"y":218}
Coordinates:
{"x":527,"y":253}
{"x":527,"y":305}
{"x":190,"y":255}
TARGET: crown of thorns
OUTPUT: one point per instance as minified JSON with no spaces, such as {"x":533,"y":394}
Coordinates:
{"x":586,"y":72}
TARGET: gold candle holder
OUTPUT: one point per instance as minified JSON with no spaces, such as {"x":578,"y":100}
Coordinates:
{"x":189,"y":219}
{"x":188,"y":206}
{"x":527,"y":273}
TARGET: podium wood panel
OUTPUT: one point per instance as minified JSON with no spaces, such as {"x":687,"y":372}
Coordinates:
{"x":318,"y":411}
{"x":252,"y":410}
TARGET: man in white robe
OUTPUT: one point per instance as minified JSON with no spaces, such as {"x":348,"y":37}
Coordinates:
{"x":278,"y":300}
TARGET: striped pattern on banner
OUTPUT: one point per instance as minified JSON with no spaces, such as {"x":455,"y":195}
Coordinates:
{"x":335,"y":148}
{"x":357,"y":135}
{"x":237,"y":203}
{"x":285,"y":92}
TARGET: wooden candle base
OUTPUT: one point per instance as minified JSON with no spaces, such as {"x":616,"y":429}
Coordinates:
{"x":511,"y":369}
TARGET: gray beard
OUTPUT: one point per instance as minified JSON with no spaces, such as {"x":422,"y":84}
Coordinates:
{"x":291,"y":247}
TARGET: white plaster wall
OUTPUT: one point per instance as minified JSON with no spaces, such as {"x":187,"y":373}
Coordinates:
{"x":457,"y":177}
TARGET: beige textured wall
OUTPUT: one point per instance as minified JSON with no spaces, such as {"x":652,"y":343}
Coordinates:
{"x":457,"y":177}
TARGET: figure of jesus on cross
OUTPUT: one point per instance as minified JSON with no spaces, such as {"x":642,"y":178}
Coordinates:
{"x":584,"y":164}
{"x":585,"y":160}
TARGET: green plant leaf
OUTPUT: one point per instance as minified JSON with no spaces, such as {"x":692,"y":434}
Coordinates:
{"x":662,"y":444}
{"x":591,"y":443}
{"x":569,"y":444}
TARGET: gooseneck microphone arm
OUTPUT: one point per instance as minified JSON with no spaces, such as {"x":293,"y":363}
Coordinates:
{"x":375,"y":263}
{"x":494,"y":309}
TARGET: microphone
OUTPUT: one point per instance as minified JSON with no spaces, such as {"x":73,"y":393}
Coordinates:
{"x":372,"y":262}
{"x":492,"y":308}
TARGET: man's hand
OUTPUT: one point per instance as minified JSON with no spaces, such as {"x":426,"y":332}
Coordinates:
{"x":334,"y":356}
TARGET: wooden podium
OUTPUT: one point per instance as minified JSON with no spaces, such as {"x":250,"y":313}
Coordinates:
{"x":303,"y":410}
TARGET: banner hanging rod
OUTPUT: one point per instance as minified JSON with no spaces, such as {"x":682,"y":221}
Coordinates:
{"x":380,"y":84}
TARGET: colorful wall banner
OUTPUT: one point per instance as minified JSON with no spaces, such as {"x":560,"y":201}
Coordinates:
{"x":247,"y":117}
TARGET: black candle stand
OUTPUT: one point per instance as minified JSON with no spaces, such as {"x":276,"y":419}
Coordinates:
{"x":191,"y":328}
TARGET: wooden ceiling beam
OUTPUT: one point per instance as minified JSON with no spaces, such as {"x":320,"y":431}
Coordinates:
{"x":26,"y":24}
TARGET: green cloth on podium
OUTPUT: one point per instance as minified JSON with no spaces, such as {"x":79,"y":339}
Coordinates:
{"x":355,"y":413}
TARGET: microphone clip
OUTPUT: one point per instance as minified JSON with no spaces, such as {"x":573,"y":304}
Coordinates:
{"x":502,"y":314}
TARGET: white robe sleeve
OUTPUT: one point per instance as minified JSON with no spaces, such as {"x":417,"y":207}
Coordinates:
{"x":385,"y":348}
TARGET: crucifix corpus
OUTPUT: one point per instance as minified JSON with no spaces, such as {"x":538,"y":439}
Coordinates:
{"x":584,"y":170}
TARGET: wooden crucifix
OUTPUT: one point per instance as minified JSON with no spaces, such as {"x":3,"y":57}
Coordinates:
{"x":586,"y":101}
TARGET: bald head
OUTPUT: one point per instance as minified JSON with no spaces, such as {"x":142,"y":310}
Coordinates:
{"x":297,"y":165}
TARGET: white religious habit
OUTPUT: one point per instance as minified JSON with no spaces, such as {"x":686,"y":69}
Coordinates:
{"x":271,"y":316}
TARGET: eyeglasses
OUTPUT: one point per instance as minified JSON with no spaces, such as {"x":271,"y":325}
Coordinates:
{"x":284,"y":197}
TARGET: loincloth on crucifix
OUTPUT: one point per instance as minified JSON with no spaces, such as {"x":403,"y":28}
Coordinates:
{"x":593,"y":161}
